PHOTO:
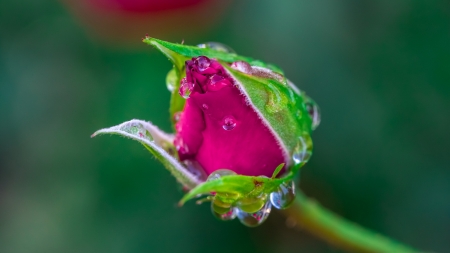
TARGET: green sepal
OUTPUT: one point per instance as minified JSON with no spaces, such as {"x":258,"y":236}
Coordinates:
{"x":238,"y":186}
{"x":158,"y":143}
{"x":279,"y":105}
{"x":179,"y":53}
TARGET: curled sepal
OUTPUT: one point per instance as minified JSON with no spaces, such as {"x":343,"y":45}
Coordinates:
{"x":237,"y":189}
{"x":158,"y":143}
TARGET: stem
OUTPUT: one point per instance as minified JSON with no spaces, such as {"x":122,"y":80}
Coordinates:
{"x":309,"y":215}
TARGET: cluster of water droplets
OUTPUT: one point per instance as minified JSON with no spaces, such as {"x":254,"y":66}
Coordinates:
{"x":251,"y":211}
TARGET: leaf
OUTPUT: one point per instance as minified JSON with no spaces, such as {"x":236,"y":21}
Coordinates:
{"x":158,"y":143}
{"x":239,"y":185}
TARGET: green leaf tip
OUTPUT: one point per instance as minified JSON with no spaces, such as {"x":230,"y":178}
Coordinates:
{"x":277,"y":170}
{"x":158,"y":143}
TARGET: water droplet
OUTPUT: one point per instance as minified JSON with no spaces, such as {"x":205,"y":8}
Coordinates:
{"x":242,"y":66}
{"x":254,"y":219}
{"x":181,"y":147}
{"x":137,"y":129}
{"x":205,"y":106}
{"x":186,"y":88}
{"x":226,"y":216}
{"x":253,"y":204}
{"x":219,"y":173}
{"x":303,"y":150}
{"x":284,"y":196}
{"x":203,"y":63}
{"x":229,"y":123}
{"x":217,"y":46}
{"x":196,"y":169}
{"x":220,"y":207}
{"x":217,"y":82}
{"x":314,"y":113}
{"x":177,"y":116}
{"x":171,"y":80}
{"x":268,"y":73}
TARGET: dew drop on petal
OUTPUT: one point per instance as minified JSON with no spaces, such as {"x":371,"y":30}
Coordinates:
{"x":303,"y":150}
{"x":196,"y":169}
{"x":314,"y":113}
{"x":219,"y":173}
{"x":216,"y":46}
{"x":186,"y":88}
{"x":181,"y":147}
{"x":202,"y":63}
{"x":284,"y":196}
{"x":228,"y":123}
{"x":254,"y":219}
{"x":205,"y":106}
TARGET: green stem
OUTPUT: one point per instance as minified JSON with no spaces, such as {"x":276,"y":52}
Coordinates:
{"x":309,"y":215}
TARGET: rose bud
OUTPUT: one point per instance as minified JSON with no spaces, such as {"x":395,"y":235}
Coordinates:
{"x":122,"y":22}
{"x":242,"y":130}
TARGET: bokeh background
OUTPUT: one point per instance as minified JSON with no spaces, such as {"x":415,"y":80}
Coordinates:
{"x":380,"y":71}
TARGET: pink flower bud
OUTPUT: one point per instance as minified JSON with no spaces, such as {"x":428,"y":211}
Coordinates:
{"x":217,"y":127}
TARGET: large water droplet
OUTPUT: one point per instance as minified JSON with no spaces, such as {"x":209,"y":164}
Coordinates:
{"x":303,"y":150}
{"x":226,"y":216}
{"x":202,"y":63}
{"x":171,"y":80}
{"x":186,"y":88}
{"x":229,"y":123}
{"x":254,"y":219}
{"x":314,"y":113}
{"x":242,"y":66}
{"x":196,"y":169}
{"x":253,"y":204}
{"x":137,"y":129}
{"x":216,"y":46}
{"x":284,"y":196}
{"x":219,"y":173}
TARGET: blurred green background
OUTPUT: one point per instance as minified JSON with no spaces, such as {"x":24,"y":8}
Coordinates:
{"x":380,"y":71}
